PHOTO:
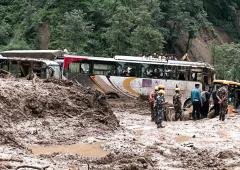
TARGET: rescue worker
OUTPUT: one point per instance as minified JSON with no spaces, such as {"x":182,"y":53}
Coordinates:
{"x":196,"y":101}
{"x":177,"y":103}
{"x":216,"y":104}
{"x":161,"y":87}
{"x":151,"y":99}
{"x":160,"y":101}
{"x":223,"y":96}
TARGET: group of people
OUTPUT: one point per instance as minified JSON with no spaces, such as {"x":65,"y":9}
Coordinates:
{"x":200,"y":101}
{"x":157,"y":104}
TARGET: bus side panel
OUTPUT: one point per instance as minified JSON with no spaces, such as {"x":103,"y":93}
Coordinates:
{"x":140,"y":86}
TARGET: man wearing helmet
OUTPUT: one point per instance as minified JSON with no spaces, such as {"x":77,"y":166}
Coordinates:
{"x":177,"y":103}
{"x":223,"y":95}
{"x":151,"y":99}
{"x":160,"y":108}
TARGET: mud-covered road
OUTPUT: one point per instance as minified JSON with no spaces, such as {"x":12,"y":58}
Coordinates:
{"x":137,"y":144}
{"x":79,"y":130}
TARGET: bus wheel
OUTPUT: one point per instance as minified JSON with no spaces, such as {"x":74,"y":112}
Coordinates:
{"x":187,"y":103}
{"x":112,"y":95}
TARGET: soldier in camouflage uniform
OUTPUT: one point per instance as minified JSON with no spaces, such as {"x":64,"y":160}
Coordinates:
{"x":223,"y":96}
{"x":160,"y":108}
{"x":177,"y":103}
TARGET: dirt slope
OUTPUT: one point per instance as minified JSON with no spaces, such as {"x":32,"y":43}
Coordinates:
{"x":24,"y":100}
{"x":200,"y":49}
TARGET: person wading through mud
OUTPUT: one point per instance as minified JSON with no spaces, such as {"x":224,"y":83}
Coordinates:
{"x":196,"y":101}
{"x":177,"y":103}
{"x":160,"y":102}
{"x":151,"y":99}
{"x":223,"y":95}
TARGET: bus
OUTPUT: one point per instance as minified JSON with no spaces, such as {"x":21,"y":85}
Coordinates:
{"x":21,"y":63}
{"x":135,"y":76}
{"x":23,"y":67}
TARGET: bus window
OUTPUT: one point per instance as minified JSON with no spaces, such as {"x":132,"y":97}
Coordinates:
{"x":85,"y":68}
{"x":153,"y":71}
{"x":104,"y":69}
{"x":131,"y":70}
{"x":54,"y":71}
{"x":196,"y":74}
{"x":4,"y":65}
{"x":24,"y":68}
{"x":171,"y":72}
{"x":74,"y":67}
{"x":182,"y":73}
{"x":37,"y":68}
{"x":14,"y":69}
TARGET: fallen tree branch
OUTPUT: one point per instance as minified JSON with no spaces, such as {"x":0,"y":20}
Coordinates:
{"x":33,"y":167}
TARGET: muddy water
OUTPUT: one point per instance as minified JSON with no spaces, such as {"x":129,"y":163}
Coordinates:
{"x":182,"y":138}
{"x":87,"y":150}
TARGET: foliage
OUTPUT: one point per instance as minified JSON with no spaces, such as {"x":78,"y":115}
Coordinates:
{"x":109,"y":27}
{"x":226,"y":61}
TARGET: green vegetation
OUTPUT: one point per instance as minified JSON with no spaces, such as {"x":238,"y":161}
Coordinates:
{"x":226,"y":60}
{"x":108,"y":27}
{"x":127,"y":27}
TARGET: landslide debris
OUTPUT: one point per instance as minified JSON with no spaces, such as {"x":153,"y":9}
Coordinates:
{"x":22,"y":100}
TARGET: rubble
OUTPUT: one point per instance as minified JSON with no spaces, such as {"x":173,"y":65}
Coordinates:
{"x":23,"y":100}
{"x":53,"y":124}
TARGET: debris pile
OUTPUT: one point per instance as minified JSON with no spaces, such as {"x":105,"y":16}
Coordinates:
{"x":126,"y":162}
{"x":26,"y":100}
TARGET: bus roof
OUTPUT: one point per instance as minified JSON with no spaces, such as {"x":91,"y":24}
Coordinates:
{"x":47,"y":62}
{"x":45,"y":54}
{"x":142,"y":61}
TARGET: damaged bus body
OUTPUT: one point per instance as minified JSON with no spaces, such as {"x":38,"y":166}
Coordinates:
{"x":135,"y":76}
{"x":23,"y":63}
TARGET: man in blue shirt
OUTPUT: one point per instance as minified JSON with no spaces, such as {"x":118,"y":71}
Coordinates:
{"x":196,"y":101}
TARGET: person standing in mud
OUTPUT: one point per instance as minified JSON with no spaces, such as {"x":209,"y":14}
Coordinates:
{"x":162,"y":87}
{"x":223,"y":95}
{"x":177,"y":103}
{"x":216,"y":105}
{"x":151,"y":99}
{"x":196,"y":101}
{"x":160,"y":102}
{"x":205,"y":103}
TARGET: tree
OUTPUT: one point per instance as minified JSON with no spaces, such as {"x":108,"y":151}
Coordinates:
{"x":226,"y":61}
{"x":76,"y":30}
{"x":5,"y":32}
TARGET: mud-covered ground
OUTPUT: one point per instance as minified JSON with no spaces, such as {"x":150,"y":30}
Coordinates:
{"x":78,"y":141}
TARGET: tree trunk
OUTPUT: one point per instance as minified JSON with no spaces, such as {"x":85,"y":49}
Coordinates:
{"x":43,"y":36}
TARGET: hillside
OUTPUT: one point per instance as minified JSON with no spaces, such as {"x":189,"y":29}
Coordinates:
{"x":110,"y":27}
